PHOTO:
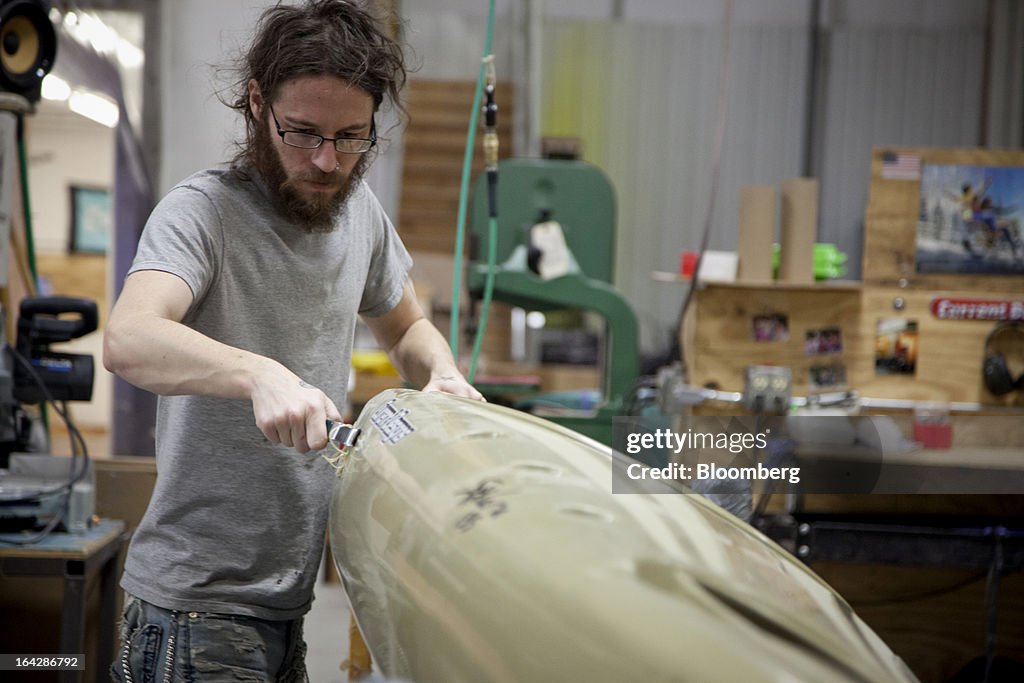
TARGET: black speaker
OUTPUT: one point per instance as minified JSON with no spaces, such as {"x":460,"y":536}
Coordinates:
{"x":28,"y":46}
{"x":999,"y":380}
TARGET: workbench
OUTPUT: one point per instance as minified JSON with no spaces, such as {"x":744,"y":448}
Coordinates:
{"x":79,"y":559}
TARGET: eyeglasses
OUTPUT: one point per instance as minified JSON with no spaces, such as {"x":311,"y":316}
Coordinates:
{"x":294,"y":138}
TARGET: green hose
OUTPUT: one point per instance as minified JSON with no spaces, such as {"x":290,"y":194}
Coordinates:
{"x":30,"y":249}
{"x":467,"y":167}
{"x":485,"y":307}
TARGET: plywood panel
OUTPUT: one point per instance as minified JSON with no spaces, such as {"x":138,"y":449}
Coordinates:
{"x":950,"y":352}
{"x":891,"y":218}
{"x":723,"y":342}
{"x":719,"y":341}
{"x":889,"y":248}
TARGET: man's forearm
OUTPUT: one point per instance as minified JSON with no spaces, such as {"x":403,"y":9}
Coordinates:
{"x":422,"y":354}
{"x":418,"y":350}
{"x":169,"y":358}
{"x":166,"y":357}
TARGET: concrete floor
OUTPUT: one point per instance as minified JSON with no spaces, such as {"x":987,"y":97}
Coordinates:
{"x":326,"y":633}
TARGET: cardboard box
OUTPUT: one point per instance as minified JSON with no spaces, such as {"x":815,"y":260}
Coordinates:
{"x":799,"y":229}
{"x":756,"y":233}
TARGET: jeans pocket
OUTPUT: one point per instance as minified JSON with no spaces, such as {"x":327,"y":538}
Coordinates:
{"x":235,"y":648}
{"x":130,"y":616}
{"x":137,"y":660}
{"x":294,"y":669}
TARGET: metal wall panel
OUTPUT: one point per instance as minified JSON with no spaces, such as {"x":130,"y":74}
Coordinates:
{"x":643,"y":98}
{"x":890,"y":87}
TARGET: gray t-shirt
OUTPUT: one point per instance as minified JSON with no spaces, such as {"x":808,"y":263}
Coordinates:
{"x":236,"y":524}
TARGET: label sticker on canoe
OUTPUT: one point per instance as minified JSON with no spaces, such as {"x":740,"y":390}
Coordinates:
{"x":392,"y":423}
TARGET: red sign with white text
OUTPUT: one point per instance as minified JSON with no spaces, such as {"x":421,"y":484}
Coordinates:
{"x":945,"y":308}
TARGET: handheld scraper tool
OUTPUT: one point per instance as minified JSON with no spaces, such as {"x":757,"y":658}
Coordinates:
{"x":342,"y":436}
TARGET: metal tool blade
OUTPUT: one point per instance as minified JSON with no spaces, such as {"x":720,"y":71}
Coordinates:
{"x":342,"y":436}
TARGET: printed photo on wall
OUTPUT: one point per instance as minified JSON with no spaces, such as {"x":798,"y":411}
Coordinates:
{"x":970,"y":219}
{"x":823,"y":342}
{"x":828,"y":376}
{"x":771,"y":328}
{"x":895,"y":347}
{"x":91,"y":219}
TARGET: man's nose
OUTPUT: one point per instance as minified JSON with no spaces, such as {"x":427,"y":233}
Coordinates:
{"x":325,"y":157}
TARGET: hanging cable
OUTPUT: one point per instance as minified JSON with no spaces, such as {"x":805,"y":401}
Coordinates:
{"x":676,"y":353}
{"x":490,"y":110}
{"x":467,"y":167}
{"x":78,"y":468}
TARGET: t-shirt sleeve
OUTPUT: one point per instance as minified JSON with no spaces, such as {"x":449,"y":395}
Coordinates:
{"x":183,"y":237}
{"x":389,"y":266}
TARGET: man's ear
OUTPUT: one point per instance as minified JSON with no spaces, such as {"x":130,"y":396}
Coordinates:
{"x":255,"y":99}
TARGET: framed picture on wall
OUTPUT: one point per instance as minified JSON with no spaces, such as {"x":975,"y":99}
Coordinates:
{"x":91,"y":219}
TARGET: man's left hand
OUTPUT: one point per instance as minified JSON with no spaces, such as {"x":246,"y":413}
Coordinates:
{"x":454,"y":384}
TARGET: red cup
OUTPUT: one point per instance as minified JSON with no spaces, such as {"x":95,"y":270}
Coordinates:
{"x":933,"y":435}
{"x":687,"y":263}
{"x":932,"y":426}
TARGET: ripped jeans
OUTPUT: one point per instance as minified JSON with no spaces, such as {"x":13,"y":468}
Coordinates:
{"x":165,"y":646}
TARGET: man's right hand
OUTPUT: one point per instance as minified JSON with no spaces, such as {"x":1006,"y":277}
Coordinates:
{"x":291,"y":412}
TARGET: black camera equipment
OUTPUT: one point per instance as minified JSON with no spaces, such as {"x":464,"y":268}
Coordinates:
{"x":30,"y":372}
{"x":58,"y":376}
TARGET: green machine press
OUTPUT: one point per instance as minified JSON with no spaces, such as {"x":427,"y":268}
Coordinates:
{"x":580,"y":198}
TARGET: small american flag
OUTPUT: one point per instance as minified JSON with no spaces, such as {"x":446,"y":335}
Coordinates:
{"x":900,"y":166}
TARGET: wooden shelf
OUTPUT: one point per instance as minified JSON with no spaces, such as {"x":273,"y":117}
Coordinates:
{"x":820,"y":285}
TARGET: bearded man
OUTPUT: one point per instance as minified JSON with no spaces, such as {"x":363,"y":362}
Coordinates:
{"x":239,"y":311}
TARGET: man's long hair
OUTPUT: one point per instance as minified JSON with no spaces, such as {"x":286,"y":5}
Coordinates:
{"x":319,"y":37}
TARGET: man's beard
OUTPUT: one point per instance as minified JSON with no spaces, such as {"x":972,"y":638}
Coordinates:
{"x":315,"y":215}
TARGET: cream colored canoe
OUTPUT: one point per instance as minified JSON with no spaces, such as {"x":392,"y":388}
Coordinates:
{"x":479,"y":544}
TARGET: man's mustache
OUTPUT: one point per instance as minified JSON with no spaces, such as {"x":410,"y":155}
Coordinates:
{"x":317,"y":176}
